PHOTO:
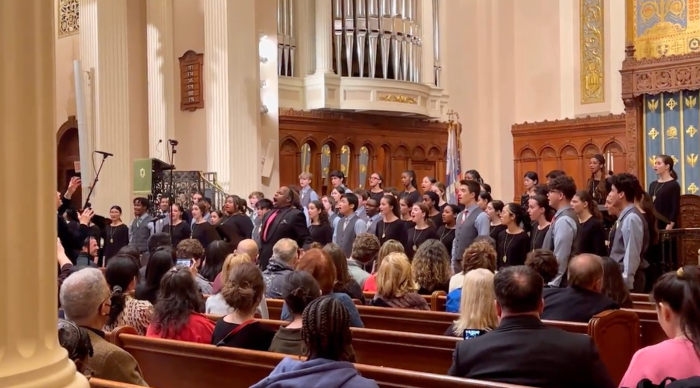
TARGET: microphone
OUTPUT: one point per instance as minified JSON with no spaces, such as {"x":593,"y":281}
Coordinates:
{"x":160,"y":217}
{"x":173,"y":142}
{"x":105,"y":154}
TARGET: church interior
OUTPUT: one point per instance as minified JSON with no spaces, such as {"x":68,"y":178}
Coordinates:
{"x":233,"y":97}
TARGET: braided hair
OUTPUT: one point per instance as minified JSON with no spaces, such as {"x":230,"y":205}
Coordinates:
{"x":326,"y":329}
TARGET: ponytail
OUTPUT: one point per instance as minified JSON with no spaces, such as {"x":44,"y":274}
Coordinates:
{"x":680,"y":291}
{"x":118,"y":300}
{"x":120,"y":273}
{"x":673,"y":174}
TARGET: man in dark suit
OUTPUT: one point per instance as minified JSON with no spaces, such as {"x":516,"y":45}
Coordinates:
{"x":285,"y":221}
{"x":72,"y":241}
{"x":582,"y":299}
{"x":522,"y":350}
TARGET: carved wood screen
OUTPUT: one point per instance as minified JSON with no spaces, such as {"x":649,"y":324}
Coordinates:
{"x":383,"y":144}
{"x":568,"y":145}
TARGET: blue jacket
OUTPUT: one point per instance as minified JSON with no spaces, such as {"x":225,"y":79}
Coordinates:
{"x":318,"y":373}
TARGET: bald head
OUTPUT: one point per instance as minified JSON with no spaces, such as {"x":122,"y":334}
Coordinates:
{"x":586,"y":271}
{"x":249,"y":247}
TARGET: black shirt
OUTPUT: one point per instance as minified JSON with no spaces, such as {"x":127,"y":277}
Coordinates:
{"x":376,"y":196}
{"x":235,"y":228}
{"x":254,"y":336}
{"x":537,"y":236}
{"x":206,"y":233}
{"x":667,"y":201}
{"x":592,"y":238}
{"x":414,"y":196}
{"x":322,"y":234}
{"x":512,"y":249}
{"x":181,"y":231}
{"x":395,"y":230}
{"x":437,"y":220}
{"x":447,"y":237}
{"x":115,"y":238}
{"x":496,"y":230}
{"x":416,"y":237}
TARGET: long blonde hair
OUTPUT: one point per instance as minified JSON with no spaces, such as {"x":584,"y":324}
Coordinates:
{"x":388,"y":247}
{"x":477,"y":308}
{"x":394,"y":278}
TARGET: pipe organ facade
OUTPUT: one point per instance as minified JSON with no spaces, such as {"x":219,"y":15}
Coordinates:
{"x":376,"y":53}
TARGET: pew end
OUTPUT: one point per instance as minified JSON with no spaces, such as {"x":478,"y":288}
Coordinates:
{"x":99,"y":383}
{"x":617,"y":336}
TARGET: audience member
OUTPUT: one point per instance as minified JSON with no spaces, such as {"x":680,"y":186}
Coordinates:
{"x":88,"y":254}
{"x":581,"y":300}
{"x":298,"y":290}
{"x":480,"y":254}
{"x":214,"y":257}
{"x":121,"y":273}
{"x":614,"y":286}
{"x":285,"y":255}
{"x":544,"y":263}
{"x":76,"y":341}
{"x":431,"y":267}
{"x":177,"y":312}
{"x":477,"y":311}
{"x":522,"y":350}
{"x":676,"y":295}
{"x":216,"y":304}
{"x":86,"y":301}
{"x":160,"y":262}
{"x":191,"y":249}
{"x":344,"y":281}
{"x":395,"y":285}
{"x":364,"y":250}
{"x":326,"y":333}
{"x":388,"y":247}
{"x":243,"y":291}
{"x":154,"y":242}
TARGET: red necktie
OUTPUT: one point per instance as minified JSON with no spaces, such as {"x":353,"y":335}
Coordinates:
{"x":269,"y":222}
{"x":464,"y":216}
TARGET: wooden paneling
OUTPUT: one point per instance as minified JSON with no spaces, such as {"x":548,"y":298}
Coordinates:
{"x":567,"y":145}
{"x":394,"y":144}
{"x":67,"y":154}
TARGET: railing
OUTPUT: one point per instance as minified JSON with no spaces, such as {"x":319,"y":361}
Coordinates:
{"x":678,"y":247}
{"x":185,"y":183}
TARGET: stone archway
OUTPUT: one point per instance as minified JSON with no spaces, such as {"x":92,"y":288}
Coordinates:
{"x":67,"y":153}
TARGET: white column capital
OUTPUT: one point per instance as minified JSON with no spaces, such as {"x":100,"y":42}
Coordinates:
{"x":30,"y":354}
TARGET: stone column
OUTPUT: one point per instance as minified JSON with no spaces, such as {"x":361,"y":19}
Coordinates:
{"x":30,"y":354}
{"x":324,"y":36}
{"x":161,"y":68}
{"x":232,"y":94}
{"x":428,"y":49}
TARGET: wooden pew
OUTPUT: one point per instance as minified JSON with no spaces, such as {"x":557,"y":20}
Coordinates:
{"x":640,"y":297}
{"x":99,"y":383}
{"x":651,"y":331}
{"x":206,"y":366}
{"x":437,"y":300}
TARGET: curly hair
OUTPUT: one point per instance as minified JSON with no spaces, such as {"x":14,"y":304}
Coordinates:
{"x":479,"y":254}
{"x":322,"y":213}
{"x":326,"y":330}
{"x":190,"y":248}
{"x":544,"y":262}
{"x":178,"y":297}
{"x":431,"y":265}
{"x":365,"y":247}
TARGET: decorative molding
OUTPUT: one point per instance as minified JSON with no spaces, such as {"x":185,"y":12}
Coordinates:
{"x":368,"y":119}
{"x":659,"y":75}
{"x":68,"y":17}
{"x":398,"y":98}
{"x":592,"y":51}
{"x":578,"y":121}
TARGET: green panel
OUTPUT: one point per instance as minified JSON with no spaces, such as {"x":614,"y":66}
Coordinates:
{"x":143,"y":176}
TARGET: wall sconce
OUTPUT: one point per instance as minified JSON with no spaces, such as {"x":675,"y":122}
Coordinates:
{"x":263,"y":109}
{"x":262,"y":36}
{"x":263,"y":84}
{"x":263,"y":60}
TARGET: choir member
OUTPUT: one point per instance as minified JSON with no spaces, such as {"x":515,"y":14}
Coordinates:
{"x":561,"y":235}
{"x":116,"y":234}
{"x":493,"y":211}
{"x":362,"y":197}
{"x":376,"y":191}
{"x":597,"y":185}
{"x":446,"y":232}
{"x":329,"y":206}
{"x":320,"y":229}
{"x":421,"y":231}
{"x":141,"y":227}
{"x":391,"y":226}
{"x":372,"y":206}
{"x":540,"y":213}
{"x":180,"y":230}
{"x":350,"y":226}
{"x":431,"y":200}
{"x":483,"y":200}
{"x":486,"y":187}
{"x":235,"y":223}
{"x":392,"y":191}
{"x":471,"y":222}
{"x":216,"y":216}
{"x":405,"y":207}
{"x":202,"y":230}
{"x":666,"y":193}
{"x":408,"y":179}
{"x":426,"y":183}
{"x":253,"y":199}
{"x":530,"y":181}
{"x":513,"y":243}
{"x":440,"y":189}
{"x":473,"y":175}
{"x":338,"y":182}
{"x":306,"y":193}
{"x":592,"y":235}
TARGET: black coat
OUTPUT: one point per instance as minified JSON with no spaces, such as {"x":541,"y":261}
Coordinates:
{"x":288,"y":223}
{"x":574,"y":304}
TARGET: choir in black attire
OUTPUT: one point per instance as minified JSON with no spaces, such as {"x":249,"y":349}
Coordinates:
{"x":322,"y":234}
{"x":592,"y":237}
{"x":418,"y":237}
{"x":447,"y":237}
{"x":205,"y":233}
{"x":512,"y":249}
{"x":667,"y":201}
{"x":537,"y":236}
{"x":395,"y":230}
{"x":115,"y":238}
{"x":179,"y":232}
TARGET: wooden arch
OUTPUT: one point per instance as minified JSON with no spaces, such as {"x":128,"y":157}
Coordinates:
{"x":67,"y":153}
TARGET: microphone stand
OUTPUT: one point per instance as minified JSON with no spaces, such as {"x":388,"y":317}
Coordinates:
{"x":94,"y":182}
{"x":171,"y":201}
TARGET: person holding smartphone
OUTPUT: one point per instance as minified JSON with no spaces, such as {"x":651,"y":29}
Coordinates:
{"x":477,"y":313}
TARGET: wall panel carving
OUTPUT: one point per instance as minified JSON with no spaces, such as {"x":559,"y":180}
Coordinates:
{"x":392,"y":144}
{"x":592,"y":46}
{"x":568,"y":145}
{"x":68,"y":17}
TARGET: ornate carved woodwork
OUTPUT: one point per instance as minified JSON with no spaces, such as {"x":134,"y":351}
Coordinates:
{"x":568,"y":145}
{"x":191,"y":81}
{"x":394,"y":144}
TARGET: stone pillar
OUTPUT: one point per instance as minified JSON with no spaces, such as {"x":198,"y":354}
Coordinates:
{"x":232,"y":94}
{"x":161,"y":68}
{"x":324,"y":36}
{"x":428,"y":49}
{"x":30,"y":355}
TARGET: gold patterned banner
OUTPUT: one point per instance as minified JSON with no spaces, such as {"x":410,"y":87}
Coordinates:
{"x":666,"y":27}
{"x":592,"y":47}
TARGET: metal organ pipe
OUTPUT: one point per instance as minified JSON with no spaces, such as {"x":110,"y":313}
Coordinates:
{"x":436,"y":42}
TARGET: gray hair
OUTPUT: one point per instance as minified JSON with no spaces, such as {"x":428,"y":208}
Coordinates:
{"x":285,"y":250}
{"x":82,"y":293}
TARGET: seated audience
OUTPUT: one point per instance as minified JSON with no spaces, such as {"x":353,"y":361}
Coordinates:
{"x":132,"y":252}
{"x":177,"y":312}
{"x":544,"y":263}
{"x":192,"y":250}
{"x":76,"y":341}
{"x":364,"y":250}
{"x":431,"y":267}
{"x":214,"y":257}
{"x":614,"y":285}
{"x":216,"y":304}
{"x":159,"y":263}
{"x":285,"y":254}
{"x":320,"y":266}
{"x":395,"y":285}
{"x":248,"y":247}
{"x":344,"y":281}
{"x":388,"y":247}
{"x":298,"y":290}
{"x":326,"y":333}
{"x":522,"y":350}
{"x":479,"y":254}
{"x":156,"y":241}
{"x":243,"y":290}
{"x":477,"y":311}
{"x":676,"y":295}
{"x":121,"y":273}
{"x":88,"y":254}
{"x":85,"y":299}
{"x":581,"y":300}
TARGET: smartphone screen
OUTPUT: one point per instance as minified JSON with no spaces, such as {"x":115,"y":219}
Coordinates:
{"x":472,"y":333}
{"x":184,"y":262}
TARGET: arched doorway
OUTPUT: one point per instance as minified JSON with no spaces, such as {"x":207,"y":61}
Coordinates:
{"x":67,"y":154}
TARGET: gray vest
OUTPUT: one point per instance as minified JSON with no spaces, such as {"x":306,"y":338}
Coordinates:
{"x":140,"y":234}
{"x":617,"y":243}
{"x":465,"y":233}
{"x":561,"y":279}
{"x":306,"y":198}
{"x":346,"y":235}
